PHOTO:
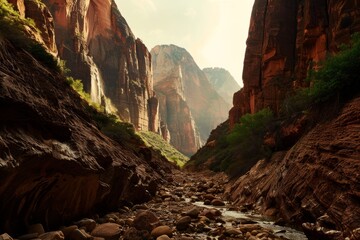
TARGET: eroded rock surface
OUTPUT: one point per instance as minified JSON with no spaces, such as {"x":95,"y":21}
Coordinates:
{"x":317,"y":177}
{"x":55,"y":164}
{"x":286,"y":40}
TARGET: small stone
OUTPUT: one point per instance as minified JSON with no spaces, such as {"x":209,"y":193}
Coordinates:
{"x":217,"y":202}
{"x":145,"y":220}
{"x":36,"y":228}
{"x":56,"y":235}
{"x":109,"y":231}
{"x":193,"y":213}
{"x":29,"y":236}
{"x":163,"y":237}
{"x":183,"y":223}
{"x":134,"y":234}
{"x":232,"y":232}
{"x":87,"y":223}
{"x":5,"y":236}
{"x":161,"y":230}
{"x":68,"y":230}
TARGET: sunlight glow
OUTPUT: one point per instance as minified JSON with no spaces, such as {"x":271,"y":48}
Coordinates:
{"x":213,"y":31}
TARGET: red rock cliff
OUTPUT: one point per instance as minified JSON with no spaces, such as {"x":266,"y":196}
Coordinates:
{"x":185,"y":94}
{"x":286,"y":39}
{"x":100,"y":49}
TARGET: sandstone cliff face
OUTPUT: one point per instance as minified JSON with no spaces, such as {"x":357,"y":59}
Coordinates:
{"x":318,"y":176}
{"x":286,"y":39}
{"x":43,"y":19}
{"x":222,"y":82}
{"x":55,"y":165}
{"x":184,"y":91}
{"x":100,"y":49}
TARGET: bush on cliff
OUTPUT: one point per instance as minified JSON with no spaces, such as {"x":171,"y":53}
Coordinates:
{"x":338,"y":77}
{"x":247,"y":140}
{"x":235,"y":152}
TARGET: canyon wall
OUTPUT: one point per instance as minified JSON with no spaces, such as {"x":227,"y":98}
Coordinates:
{"x":189,"y":105}
{"x":100,"y":49}
{"x":315,"y":183}
{"x":286,"y":40}
{"x":55,"y":164}
{"x":222,"y":82}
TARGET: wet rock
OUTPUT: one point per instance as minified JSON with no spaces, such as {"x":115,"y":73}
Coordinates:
{"x":193,"y":213}
{"x":109,"y":231}
{"x":145,"y":220}
{"x":233,"y":232}
{"x":161,"y":230}
{"x":56,"y":235}
{"x":217,"y":202}
{"x":249,"y":228}
{"x":68,"y":230}
{"x":183,"y":223}
{"x":36,"y":228}
{"x":87,"y":223}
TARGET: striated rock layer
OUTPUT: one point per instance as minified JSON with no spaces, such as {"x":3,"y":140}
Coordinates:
{"x":286,"y":39}
{"x":317,"y":177}
{"x":223,"y":82}
{"x":188,"y":102}
{"x":55,"y":165}
{"x":100,"y":49}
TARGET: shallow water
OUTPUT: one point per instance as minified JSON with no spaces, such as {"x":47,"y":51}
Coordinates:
{"x":230,"y":216}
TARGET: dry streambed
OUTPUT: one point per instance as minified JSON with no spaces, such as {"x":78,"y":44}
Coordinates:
{"x":189,"y":207}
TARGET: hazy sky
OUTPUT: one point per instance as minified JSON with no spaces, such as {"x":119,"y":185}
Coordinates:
{"x":213,"y":31}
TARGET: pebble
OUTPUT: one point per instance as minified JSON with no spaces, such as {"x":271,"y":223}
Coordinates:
{"x":145,"y":220}
{"x":183,"y":223}
{"x":161,"y":230}
{"x":217,"y":203}
{"x":163,"y":237}
{"x":108,"y":231}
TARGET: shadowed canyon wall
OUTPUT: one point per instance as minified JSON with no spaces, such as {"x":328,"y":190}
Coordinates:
{"x":316,"y":181}
{"x":286,"y":40}
{"x":55,"y":165}
{"x":100,"y":49}
{"x":189,"y":105}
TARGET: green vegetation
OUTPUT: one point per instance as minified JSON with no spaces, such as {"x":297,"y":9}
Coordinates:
{"x":156,"y":142}
{"x":237,"y":151}
{"x":16,"y":29}
{"x":338,"y":78}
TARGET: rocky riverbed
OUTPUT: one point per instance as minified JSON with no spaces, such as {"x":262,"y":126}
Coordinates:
{"x":188,"y":207}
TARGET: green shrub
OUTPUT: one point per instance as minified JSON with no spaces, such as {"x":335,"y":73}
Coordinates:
{"x":247,"y":139}
{"x":339,"y":74}
{"x":337,"y":78}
